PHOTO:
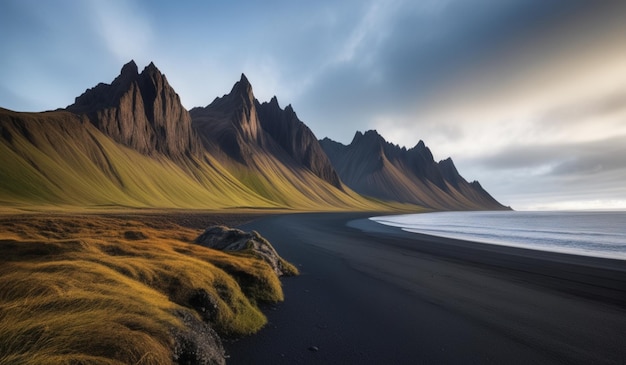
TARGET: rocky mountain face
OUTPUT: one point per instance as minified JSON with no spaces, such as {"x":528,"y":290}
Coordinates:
{"x":240,"y":127}
{"x":141,"y":111}
{"x":296,"y":139}
{"x":235,"y":151}
{"x":374,"y":167}
{"x":229,"y":126}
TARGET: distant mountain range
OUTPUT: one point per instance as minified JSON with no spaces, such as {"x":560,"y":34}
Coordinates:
{"x":374,"y":167}
{"x":132,"y":144}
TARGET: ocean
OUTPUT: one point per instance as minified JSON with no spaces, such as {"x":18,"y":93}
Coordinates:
{"x":599,"y":234}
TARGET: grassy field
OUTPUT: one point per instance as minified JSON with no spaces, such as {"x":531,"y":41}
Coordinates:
{"x":117,"y":290}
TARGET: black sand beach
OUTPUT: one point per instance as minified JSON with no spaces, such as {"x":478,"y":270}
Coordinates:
{"x":375,"y":294}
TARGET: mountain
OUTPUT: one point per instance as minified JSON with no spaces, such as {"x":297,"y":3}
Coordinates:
{"x":131,"y":143}
{"x":270,"y":150}
{"x":229,"y":126}
{"x":128,"y":143}
{"x":141,"y":111}
{"x":296,"y":139}
{"x":61,"y":159}
{"x":374,"y":167}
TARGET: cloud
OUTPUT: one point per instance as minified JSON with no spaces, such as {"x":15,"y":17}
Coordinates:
{"x":535,"y":176}
{"x":124,"y":29}
{"x":594,"y":158}
{"x":613,"y":104}
{"x":526,"y":96}
{"x":369,"y":32}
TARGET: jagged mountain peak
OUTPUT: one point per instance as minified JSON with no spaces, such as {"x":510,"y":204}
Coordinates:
{"x":152,"y":71}
{"x":295,"y":138}
{"x":243,"y":88}
{"x":370,"y":136}
{"x":229,"y":125}
{"x":450,"y":172}
{"x":130,"y":69}
{"x":259,"y":150}
{"x":420,"y":145}
{"x":141,"y":111}
{"x":244,"y":80}
{"x":372,"y":166}
{"x":447,"y":162}
{"x":275,"y":105}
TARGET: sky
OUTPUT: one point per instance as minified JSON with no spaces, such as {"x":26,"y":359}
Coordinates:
{"x":528,"y":97}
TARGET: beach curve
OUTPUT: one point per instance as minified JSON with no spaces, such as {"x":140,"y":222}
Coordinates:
{"x":369,"y":293}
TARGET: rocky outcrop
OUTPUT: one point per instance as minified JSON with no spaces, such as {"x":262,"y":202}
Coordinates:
{"x":231,"y":239}
{"x":374,"y":167}
{"x":296,"y":139}
{"x":196,"y":342}
{"x":141,"y":111}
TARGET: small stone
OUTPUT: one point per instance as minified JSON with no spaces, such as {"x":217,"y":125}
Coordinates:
{"x":314,"y":348}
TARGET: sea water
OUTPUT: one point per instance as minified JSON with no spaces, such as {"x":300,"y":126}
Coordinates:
{"x":600,"y":234}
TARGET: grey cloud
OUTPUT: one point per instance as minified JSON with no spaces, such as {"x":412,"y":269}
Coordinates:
{"x":564,"y":158}
{"x":594,"y":158}
{"x":520,"y":157}
{"x":423,"y":49}
{"x":603,"y":106}
{"x":584,"y":172}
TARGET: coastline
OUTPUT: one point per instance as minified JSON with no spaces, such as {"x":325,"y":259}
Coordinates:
{"x":587,"y":233}
{"x":374,"y":293}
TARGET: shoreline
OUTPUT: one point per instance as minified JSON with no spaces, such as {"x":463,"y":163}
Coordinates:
{"x":513,"y":241}
{"x":374,"y":293}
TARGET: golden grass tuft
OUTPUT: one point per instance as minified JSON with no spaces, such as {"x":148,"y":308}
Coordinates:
{"x":84,"y":290}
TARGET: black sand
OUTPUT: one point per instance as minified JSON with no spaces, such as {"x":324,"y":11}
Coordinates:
{"x":375,"y":294}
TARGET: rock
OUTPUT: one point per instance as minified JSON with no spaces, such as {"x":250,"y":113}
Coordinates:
{"x":204,"y":304}
{"x":314,"y":348}
{"x":196,"y":342}
{"x":135,"y":235}
{"x":231,"y":239}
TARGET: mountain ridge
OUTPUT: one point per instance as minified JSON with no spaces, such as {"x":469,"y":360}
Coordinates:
{"x":258,"y":142}
{"x":132,"y":143}
{"x":297,"y":139}
{"x":374,"y":167}
{"x":141,"y":111}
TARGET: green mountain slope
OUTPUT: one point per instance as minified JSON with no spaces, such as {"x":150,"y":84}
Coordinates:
{"x":60,"y":159}
{"x":132,"y":144}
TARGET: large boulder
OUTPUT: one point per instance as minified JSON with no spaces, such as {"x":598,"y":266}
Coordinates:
{"x":235,"y":240}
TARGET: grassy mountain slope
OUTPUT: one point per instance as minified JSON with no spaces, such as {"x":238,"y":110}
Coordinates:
{"x":131,"y":143}
{"x":231,"y":129}
{"x":60,"y":159}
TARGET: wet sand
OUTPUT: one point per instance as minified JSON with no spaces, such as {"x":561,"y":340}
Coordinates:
{"x":369,"y":293}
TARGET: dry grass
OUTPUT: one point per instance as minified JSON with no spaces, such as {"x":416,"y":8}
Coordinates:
{"x":109,"y":290}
